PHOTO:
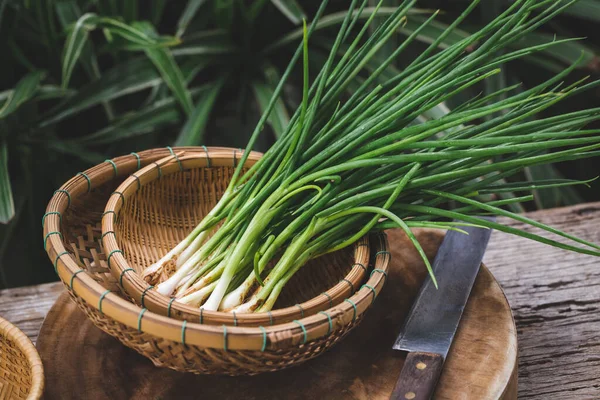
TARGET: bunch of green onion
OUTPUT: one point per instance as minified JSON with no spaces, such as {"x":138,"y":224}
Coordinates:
{"x":350,"y":165}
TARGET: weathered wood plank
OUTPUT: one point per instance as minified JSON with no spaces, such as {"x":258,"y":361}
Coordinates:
{"x":555,"y":296}
{"x":26,"y":307}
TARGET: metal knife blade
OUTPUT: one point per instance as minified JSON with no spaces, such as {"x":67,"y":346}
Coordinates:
{"x":430,"y":327}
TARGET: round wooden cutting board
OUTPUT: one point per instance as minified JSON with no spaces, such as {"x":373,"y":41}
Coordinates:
{"x":82,"y":362}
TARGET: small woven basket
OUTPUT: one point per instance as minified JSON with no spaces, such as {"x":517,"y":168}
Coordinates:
{"x":72,"y":239}
{"x":155,"y":208}
{"x":21,"y":370}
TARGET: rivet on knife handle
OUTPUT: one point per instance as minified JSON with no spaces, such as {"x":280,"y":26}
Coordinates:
{"x":419,"y":376}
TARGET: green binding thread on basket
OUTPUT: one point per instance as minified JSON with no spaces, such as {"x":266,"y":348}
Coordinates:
{"x":349,"y":283}
{"x":372,"y":290}
{"x":56,"y":260}
{"x":140,"y":319}
{"x":207,"y":156}
{"x":159,"y":170}
{"x":380,"y":271}
{"x":123,"y":273}
{"x":139,"y":161}
{"x":137,"y":179}
{"x":328,"y":320}
{"x":176,"y":157}
{"x":169,"y":307}
{"x":102,"y":296}
{"x":360,"y":265}
{"x":329,"y":297}
{"x":111,"y":162}
{"x":270,"y":317}
{"x":144,"y":294}
{"x":224,"y":337}
{"x":51,"y":213}
{"x":73,"y":277}
{"x":353,"y":306}
{"x":201,"y":315}
{"x":382,"y":252}
{"x":235,"y":322}
{"x":87,"y":178}
{"x":49,"y":234}
{"x":68,"y":196}
{"x":120,"y":195}
{"x":106,"y":233}
{"x":301,"y":325}
{"x":264,"y":332}
{"x":110,"y":255}
{"x":301,"y":310}
{"x":108,"y":212}
{"x":183,"y":326}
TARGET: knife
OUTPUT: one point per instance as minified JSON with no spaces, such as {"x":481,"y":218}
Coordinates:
{"x":429,"y":329}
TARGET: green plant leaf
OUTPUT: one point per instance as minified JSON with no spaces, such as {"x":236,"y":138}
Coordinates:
{"x":542,"y":62}
{"x":584,"y":9}
{"x":551,"y":197}
{"x":224,"y":13}
{"x":48,"y":92}
{"x":25,"y":90}
{"x":205,"y":43}
{"x":567,"y":53}
{"x":279,"y":117}
{"x":130,"y":10}
{"x":75,"y":41}
{"x":68,"y":12}
{"x":146,"y":120}
{"x":7,"y":205}
{"x":188,"y":14}
{"x":72,"y":148}
{"x":191,"y":67}
{"x":137,"y":36}
{"x":19,"y":56}
{"x":291,"y":9}
{"x":335,"y":19}
{"x":44,"y":19}
{"x":157,"y":11}
{"x":255,"y":9}
{"x":126,"y":78}
{"x":192,"y":132}
{"x":164,"y":61}
{"x":171,"y":74}
{"x":432,"y":31}
{"x":136,"y":33}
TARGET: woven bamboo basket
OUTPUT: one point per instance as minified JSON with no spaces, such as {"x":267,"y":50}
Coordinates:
{"x":21,"y":370}
{"x":72,"y":239}
{"x":155,"y":208}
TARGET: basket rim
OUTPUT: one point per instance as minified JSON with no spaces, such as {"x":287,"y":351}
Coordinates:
{"x":190,"y":332}
{"x":143,"y":293}
{"x":22,"y":341}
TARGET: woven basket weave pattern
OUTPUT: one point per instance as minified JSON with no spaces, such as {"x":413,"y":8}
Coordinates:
{"x":161,"y":214}
{"x":78,"y":255}
{"x":21,"y":373}
{"x":86,"y":243}
{"x":152,"y":212}
{"x":193,"y":359}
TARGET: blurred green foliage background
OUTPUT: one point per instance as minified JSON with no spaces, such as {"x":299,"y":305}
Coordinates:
{"x":86,"y":80}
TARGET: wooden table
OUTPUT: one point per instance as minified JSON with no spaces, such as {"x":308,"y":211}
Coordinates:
{"x":555,"y":296}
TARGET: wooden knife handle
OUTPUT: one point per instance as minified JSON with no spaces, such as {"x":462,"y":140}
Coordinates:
{"x":419,"y":376}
